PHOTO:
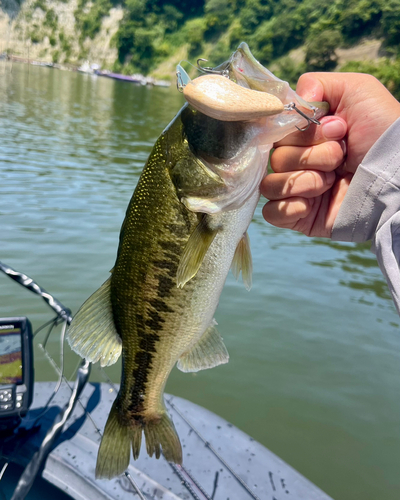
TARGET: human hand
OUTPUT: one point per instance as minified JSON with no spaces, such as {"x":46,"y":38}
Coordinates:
{"x":313,"y":169}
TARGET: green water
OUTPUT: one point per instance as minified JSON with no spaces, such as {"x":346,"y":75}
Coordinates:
{"x":314,"y":373}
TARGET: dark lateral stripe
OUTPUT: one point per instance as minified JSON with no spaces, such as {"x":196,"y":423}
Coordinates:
{"x":143,"y":361}
{"x":160,"y":305}
{"x":147,"y":329}
{"x":171,"y":246}
{"x":171,"y":266}
{"x":154,"y":322}
{"x":140,"y":373}
{"x":147,"y":332}
{"x":165,"y":285}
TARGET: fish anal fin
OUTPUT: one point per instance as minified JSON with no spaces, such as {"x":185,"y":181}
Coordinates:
{"x":194,"y":252}
{"x":242,"y":261}
{"x":92,"y":333}
{"x":209,"y":351}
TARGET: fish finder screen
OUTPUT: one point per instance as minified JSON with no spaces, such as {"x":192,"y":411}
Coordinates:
{"x":10,"y":355}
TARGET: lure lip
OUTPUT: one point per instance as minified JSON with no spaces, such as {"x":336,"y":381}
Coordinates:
{"x":249,"y":72}
{"x":244,"y":53}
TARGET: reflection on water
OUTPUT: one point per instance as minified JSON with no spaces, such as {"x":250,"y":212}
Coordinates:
{"x":356,"y":262}
{"x":360,"y":267}
{"x":314,"y":369}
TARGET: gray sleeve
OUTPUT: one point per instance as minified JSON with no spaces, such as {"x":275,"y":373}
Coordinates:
{"x":371,"y":208}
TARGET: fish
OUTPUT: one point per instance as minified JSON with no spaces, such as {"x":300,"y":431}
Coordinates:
{"x":185,"y":227}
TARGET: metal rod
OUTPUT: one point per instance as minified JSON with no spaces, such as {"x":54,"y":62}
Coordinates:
{"x":136,"y":487}
{"x":31,"y":285}
{"x":186,"y":483}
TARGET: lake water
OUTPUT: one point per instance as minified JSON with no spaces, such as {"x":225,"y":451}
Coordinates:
{"x":314,"y":371}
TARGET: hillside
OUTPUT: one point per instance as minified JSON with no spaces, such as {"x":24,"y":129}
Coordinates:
{"x":150,"y":36}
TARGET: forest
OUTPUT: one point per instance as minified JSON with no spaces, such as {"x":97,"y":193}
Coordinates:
{"x":151,"y":31}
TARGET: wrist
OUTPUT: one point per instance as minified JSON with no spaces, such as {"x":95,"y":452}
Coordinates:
{"x":374,"y":193}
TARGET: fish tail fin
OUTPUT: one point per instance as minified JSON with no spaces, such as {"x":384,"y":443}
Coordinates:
{"x":114,"y":451}
{"x":160,"y":433}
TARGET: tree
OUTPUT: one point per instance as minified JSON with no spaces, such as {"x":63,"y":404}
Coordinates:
{"x":320,"y":51}
{"x":390,"y":23}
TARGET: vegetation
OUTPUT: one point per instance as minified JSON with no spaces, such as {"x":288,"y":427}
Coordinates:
{"x":387,"y":71}
{"x":153,"y":30}
{"x":88,"y":21}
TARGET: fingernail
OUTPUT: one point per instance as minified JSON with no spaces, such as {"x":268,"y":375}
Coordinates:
{"x":343,"y":146}
{"x":330,"y":177}
{"x":333,"y":130}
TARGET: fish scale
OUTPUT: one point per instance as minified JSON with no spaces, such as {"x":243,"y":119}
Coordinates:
{"x":154,"y":217}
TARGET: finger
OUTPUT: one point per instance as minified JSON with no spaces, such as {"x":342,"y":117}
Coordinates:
{"x":310,"y":87}
{"x":287,"y":213}
{"x":332,"y":128}
{"x":335,"y":88}
{"x":304,"y":183}
{"x":325,"y":157}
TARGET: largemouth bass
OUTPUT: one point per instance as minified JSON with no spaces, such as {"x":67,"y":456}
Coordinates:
{"x":185,"y":227}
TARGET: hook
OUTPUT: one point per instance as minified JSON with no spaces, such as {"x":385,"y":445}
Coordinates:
{"x":180,"y":85}
{"x":292,"y":107}
{"x":208,"y":69}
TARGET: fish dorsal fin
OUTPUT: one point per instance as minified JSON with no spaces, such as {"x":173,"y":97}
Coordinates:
{"x":242,"y":261}
{"x":209,"y":351}
{"x":194,"y":252}
{"x":92,"y":333}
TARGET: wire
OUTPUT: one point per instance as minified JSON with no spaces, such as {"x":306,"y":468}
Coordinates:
{"x":44,"y":326}
{"x":59,"y":371}
{"x":3,"y":470}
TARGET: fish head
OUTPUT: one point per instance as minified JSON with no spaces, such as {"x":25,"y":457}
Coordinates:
{"x":236,"y":112}
{"x":246,"y":71}
{"x":242,"y":68}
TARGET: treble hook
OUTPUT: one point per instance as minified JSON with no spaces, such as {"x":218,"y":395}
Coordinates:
{"x":208,"y":69}
{"x":292,"y":107}
{"x":179,"y":82}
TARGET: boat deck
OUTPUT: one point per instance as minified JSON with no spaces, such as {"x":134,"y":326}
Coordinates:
{"x":220,"y":462}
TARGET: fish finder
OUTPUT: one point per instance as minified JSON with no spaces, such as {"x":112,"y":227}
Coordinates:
{"x":16,"y":369}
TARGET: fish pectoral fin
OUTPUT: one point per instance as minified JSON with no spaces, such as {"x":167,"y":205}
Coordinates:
{"x":210,"y":351}
{"x":194,"y":251}
{"x":242,"y":261}
{"x":92,"y":333}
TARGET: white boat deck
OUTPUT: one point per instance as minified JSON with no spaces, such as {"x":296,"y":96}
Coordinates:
{"x":220,"y":462}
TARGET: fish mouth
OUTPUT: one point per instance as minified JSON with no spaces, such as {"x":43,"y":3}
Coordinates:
{"x":246,"y":71}
{"x":250,"y":73}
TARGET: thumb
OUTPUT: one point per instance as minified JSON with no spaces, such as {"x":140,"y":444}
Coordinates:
{"x":310,"y":88}
{"x":330,"y":87}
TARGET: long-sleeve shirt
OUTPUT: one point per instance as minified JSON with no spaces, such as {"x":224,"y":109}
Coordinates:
{"x":371,"y":207}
